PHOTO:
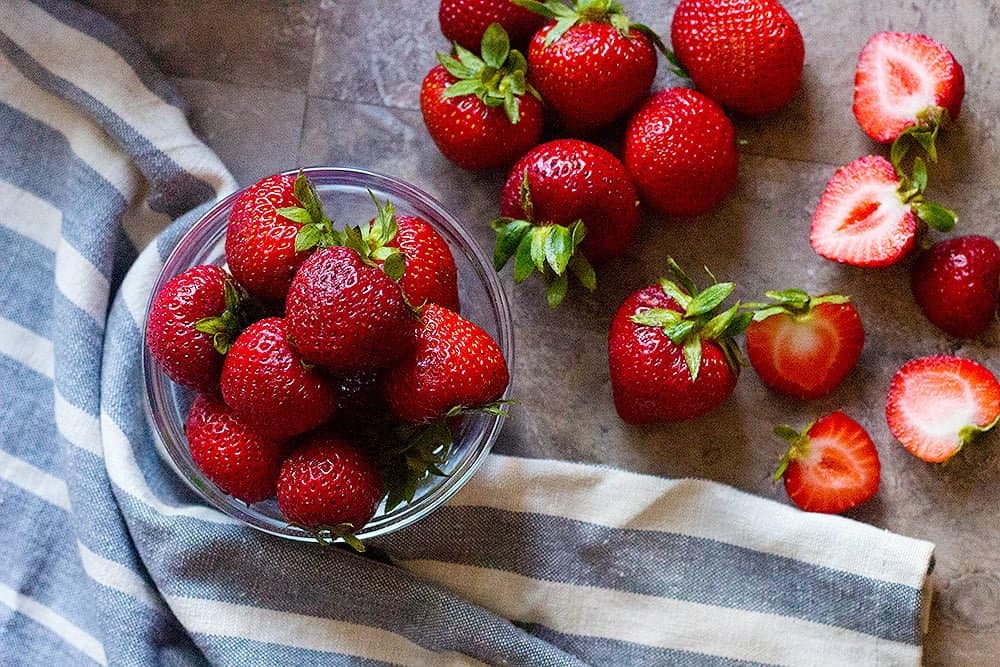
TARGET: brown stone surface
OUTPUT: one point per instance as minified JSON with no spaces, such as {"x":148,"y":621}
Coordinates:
{"x":274,"y":85}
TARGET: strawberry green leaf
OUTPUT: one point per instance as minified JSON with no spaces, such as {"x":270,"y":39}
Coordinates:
{"x":793,"y":298}
{"x":736,"y":326}
{"x":578,"y":230}
{"x":304,"y":191}
{"x":936,"y":216}
{"x":307,"y":237}
{"x":463,"y":87}
{"x":539,"y":239}
{"x":556,"y":291}
{"x":900,"y":147}
{"x":656,"y":317}
{"x":524,"y":266}
{"x":495,"y":46}
{"x":524,"y":192}
{"x":509,"y":236}
{"x":559,"y":29}
{"x":692,"y":355}
{"x":706,"y":301}
{"x":295,"y":214}
{"x":681,"y":277}
{"x":583,"y":272}
{"x":512,"y":108}
{"x":469,"y":59}
{"x":919,"y":177}
{"x":716,"y":326}
{"x":394,"y":265}
{"x":559,"y":248}
{"x":352,"y":541}
{"x":454,"y":67}
{"x":540,"y":8}
{"x":679,"y":332}
{"x":674,"y":292}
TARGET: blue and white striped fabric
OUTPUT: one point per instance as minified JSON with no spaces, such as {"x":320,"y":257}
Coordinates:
{"x":109,"y":559}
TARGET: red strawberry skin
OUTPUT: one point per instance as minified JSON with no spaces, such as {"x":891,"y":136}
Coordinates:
{"x":329,"y":481}
{"x":572,"y":180}
{"x":346,"y":315}
{"x":267,"y":386}
{"x":840,"y":471}
{"x":680,"y":149}
{"x":592,"y":75}
{"x":454,"y":362}
{"x":860,"y":219}
{"x":469,"y":133}
{"x":956,"y":282}
{"x":465,"y":21}
{"x":898,"y":76}
{"x":236,"y":458}
{"x":745,"y":55}
{"x":185,"y":354}
{"x":933,"y":399}
{"x":806,"y":356}
{"x":649,"y":376}
{"x":260,"y":244}
{"x":430,"y":275}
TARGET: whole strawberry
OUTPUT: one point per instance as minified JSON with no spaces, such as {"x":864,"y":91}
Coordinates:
{"x":346,"y":314}
{"x":831,"y":466}
{"x":957,"y":284}
{"x":671,"y":355}
{"x":269,"y":227}
{"x":937,"y":405}
{"x":269,"y":387}
{"x":906,"y":83}
{"x":192,"y":322}
{"x":561,"y":195}
{"x":481,"y":112}
{"x":680,"y":149}
{"x":869,"y":214}
{"x":329,"y":485}
{"x":429,"y":271}
{"x":745,"y":55}
{"x":804,"y":346}
{"x":454,"y":363}
{"x":465,"y":21}
{"x":591,"y":63}
{"x":236,"y":458}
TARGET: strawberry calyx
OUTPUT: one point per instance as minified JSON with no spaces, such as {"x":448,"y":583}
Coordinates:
{"x":700,"y":319}
{"x":498,"y":78}
{"x":923,"y":134}
{"x":912,"y":185}
{"x":413,"y":453}
{"x":592,"y":11}
{"x":328,"y":535}
{"x":549,"y":248}
{"x":794,"y":302}
{"x":969,"y":433}
{"x":239,"y":313}
{"x":316,"y":229}
{"x":798,"y":447}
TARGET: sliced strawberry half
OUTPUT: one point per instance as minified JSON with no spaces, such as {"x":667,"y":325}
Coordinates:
{"x":905,"y":80}
{"x":869,"y":214}
{"x":938,"y":404}
{"x":804,"y":346}
{"x":831,"y":466}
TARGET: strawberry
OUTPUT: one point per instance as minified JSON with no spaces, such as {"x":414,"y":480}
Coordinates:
{"x":938,"y":404}
{"x":330,"y":486}
{"x":804,"y":346}
{"x":957,"y":284}
{"x":906,"y":83}
{"x":869,"y":214}
{"x":345,"y":313}
{"x":747,"y":55}
{"x":481,"y":112}
{"x":268,"y":386}
{"x":267,"y":228}
{"x":831,"y":466}
{"x":231,"y":454}
{"x":670,"y":352}
{"x":453,"y":364}
{"x":560,"y":194}
{"x":680,"y":149}
{"x":591,"y":64}
{"x":192,"y":322}
{"x":465,"y":21}
{"x":429,"y":272}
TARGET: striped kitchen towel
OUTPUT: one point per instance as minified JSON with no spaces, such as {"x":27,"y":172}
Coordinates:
{"x":109,"y":559}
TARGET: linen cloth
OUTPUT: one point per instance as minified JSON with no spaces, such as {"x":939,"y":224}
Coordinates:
{"x":108,"y":558}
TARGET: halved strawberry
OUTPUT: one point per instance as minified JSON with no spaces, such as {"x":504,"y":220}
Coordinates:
{"x":869,"y":214}
{"x":831,"y":466}
{"x":805,"y":346}
{"x":905,"y":80}
{"x":939,"y":403}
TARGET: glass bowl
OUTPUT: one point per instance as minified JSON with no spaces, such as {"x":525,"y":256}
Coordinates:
{"x":346,"y":200}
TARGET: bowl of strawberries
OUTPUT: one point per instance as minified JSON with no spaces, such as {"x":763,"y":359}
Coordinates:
{"x":327,"y":380}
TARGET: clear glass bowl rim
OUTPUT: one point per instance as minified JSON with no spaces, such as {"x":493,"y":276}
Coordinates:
{"x":169,"y":437}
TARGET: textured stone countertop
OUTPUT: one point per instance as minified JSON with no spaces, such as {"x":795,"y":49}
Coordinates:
{"x":272,"y":85}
